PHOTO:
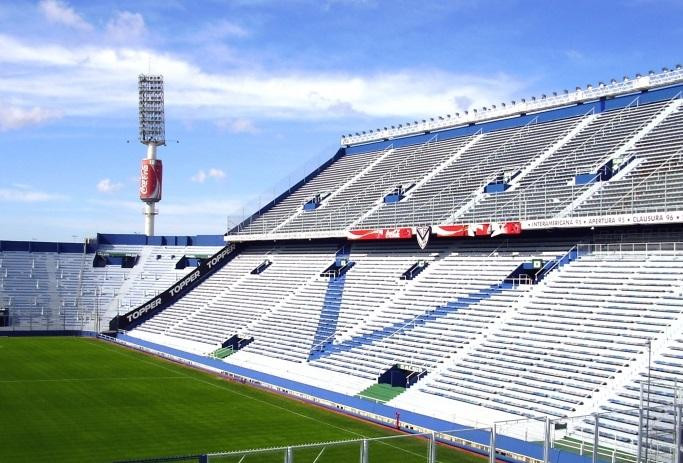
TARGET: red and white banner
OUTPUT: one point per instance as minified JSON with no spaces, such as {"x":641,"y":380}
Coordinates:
{"x":381,"y":234}
{"x":445,"y":231}
{"x":150,"y":180}
{"x":507,"y":228}
{"x":454,"y":231}
{"x":478,"y":229}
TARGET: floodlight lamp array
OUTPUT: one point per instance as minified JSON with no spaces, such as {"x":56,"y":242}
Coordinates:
{"x":151,"y":109}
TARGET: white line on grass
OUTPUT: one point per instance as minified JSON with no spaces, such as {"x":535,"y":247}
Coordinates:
{"x":222,"y":386}
{"x":51,"y":380}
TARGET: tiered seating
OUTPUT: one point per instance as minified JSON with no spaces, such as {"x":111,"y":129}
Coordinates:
{"x":46,"y":290}
{"x":655,"y":185}
{"x":157,"y":272}
{"x":327,"y":181}
{"x":26,"y":292}
{"x":497,"y":153}
{"x":619,"y":414}
{"x":51,"y":291}
{"x":419,"y":328}
{"x":582,"y":327}
{"x":211,"y":316}
{"x":190,"y":318}
{"x":539,"y":162}
{"x":302,"y":323}
{"x":404,"y":166}
{"x":550,"y":188}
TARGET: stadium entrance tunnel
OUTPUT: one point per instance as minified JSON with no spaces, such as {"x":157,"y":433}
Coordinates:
{"x":4,"y":318}
{"x":315,"y":201}
{"x":124,"y":260}
{"x":398,"y":193}
{"x":530,"y":273}
{"x":342,"y":264}
{"x":231,"y":346}
{"x":414,"y":270}
{"x":190,"y":261}
{"x":262,"y":267}
{"x":237,"y":343}
{"x":399,"y":376}
{"x":501,"y":183}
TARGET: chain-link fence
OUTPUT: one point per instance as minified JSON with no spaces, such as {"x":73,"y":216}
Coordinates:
{"x":648,"y":434}
{"x":407,"y":448}
{"x":619,"y":433}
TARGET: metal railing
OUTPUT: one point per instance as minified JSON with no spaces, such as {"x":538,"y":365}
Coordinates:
{"x":668,"y":77}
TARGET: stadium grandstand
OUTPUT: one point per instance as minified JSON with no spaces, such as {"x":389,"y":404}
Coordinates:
{"x":515,"y":271}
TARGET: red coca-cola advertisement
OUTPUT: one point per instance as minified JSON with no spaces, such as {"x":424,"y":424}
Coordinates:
{"x":150,"y":180}
{"x":381,"y":234}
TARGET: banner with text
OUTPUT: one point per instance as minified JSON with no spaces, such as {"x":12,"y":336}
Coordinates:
{"x":171,"y":295}
{"x":605,"y":220}
{"x":478,"y":229}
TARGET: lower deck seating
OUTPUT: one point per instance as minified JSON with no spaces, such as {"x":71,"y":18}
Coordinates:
{"x":571,"y":344}
{"x":579,"y":331}
{"x":50,"y":290}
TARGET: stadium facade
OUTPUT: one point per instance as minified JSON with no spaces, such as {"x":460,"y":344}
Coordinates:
{"x":522,"y":262}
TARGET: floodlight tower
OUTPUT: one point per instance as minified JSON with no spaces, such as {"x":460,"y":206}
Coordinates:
{"x":152,"y":134}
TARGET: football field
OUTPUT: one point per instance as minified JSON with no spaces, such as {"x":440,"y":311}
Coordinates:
{"x":76,"y":399}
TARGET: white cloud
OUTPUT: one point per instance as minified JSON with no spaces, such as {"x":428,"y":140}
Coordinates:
{"x":199,"y":207}
{"x":94,"y":80}
{"x":218,"y":174}
{"x":574,"y":55}
{"x":27,"y":195}
{"x":126,"y":27}
{"x":15,"y":117}
{"x":238,"y":125}
{"x":201,"y":176}
{"x":107,"y":186}
{"x":219,"y":31}
{"x":118,"y":205}
{"x":59,"y":12}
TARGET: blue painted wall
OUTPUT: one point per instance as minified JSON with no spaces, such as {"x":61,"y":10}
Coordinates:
{"x":142,"y":240}
{"x":41,"y":246}
{"x":111,"y":238}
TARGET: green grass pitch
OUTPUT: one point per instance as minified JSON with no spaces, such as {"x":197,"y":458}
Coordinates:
{"x":85,"y":400}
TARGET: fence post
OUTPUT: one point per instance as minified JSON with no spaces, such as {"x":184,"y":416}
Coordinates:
{"x":289,"y":455}
{"x":546,"y":441}
{"x":432,"y":448}
{"x":677,"y":430}
{"x":364,"y":451}
{"x":639,"y":453}
{"x":596,"y":437}
{"x":492,"y":445}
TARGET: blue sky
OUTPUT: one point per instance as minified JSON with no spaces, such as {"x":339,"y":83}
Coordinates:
{"x":258,"y":91}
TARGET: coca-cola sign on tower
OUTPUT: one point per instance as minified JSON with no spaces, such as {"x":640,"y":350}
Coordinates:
{"x":150,"y":180}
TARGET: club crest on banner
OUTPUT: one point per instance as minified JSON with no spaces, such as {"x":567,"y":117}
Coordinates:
{"x":423,"y":234}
